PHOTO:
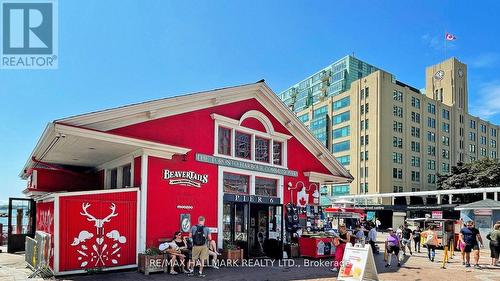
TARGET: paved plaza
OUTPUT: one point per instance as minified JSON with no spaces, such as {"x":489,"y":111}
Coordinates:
{"x":416,"y":267}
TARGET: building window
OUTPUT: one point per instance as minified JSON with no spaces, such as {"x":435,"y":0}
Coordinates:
{"x":397,"y":158}
{"x":277,"y":153}
{"x":493,"y":154}
{"x":242,"y":145}
{"x":415,"y":102}
{"x":431,"y":122}
{"x":415,"y":132}
{"x":431,"y":150}
{"x":304,"y":118}
{"x":431,"y":165}
{"x":483,"y":128}
{"x":236,"y":183}
{"x":493,"y":132}
{"x":397,"y":173}
{"x":446,"y":127}
{"x":397,"y":189}
{"x":472,"y":136}
{"x":126,"y":175}
{"x":341,"y":103}
{"x":397,"y":96}
{"x":397,"y":111}
{"x":344,"y":160}
{"x":261,"y":149}
{"x":113,"y":178}
{"x":446,"y":114}
{"x":483,"y":140}
{"x":266,"y":187}
{"x":415,"y":161}
{"x":415,"y":146}
{"x":415,"y":117}
{"x":341,"y":146}
{"x":472,"y":148}
{"x":472,"y":124}
{"x":397,"y":142}
{"x":483,"y":151}
{"x":493,"y":143}
{"x":445,"y":153}
{"x":431,"y":178}
{"x":340,"y":118}
{"x":431,"y":108}
{"x":415,"y":176}
{"x":224,"y":141}
{"x":397,"y":127}
{"x":446,"y":140}
{"x":445,"y":167}
{"x":431,"y":136}
{"x":341,"y":132}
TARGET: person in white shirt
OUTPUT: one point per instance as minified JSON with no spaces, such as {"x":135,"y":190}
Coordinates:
{"x":372,"y":237}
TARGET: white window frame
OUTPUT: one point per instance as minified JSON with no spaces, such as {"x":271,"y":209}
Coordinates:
{"x":271,"y":135}
{"x":118,"y":164}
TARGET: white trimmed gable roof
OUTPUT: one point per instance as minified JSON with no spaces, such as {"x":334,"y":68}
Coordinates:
{"x":109,"y":119}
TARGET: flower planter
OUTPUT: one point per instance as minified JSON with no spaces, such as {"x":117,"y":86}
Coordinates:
{"x":236,"y":255}
{"x":152,"y":263}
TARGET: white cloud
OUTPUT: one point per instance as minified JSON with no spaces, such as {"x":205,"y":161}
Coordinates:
{"x":484,"y":60}
{"x":437,"y":42}
{"x":487,"y":100}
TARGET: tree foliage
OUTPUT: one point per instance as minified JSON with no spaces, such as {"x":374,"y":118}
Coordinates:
{"x":481,"y":173}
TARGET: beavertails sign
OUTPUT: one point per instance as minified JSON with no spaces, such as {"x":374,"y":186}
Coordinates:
{"x":186,"y":178}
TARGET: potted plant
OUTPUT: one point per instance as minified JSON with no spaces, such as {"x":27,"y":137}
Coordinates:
{"x":152,"y":260}
{"x":232,"y":252}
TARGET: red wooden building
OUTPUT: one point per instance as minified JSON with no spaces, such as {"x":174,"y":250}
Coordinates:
{"x":109,"y":184}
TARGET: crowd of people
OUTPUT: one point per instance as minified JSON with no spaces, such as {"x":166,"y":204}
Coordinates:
{"x":191,"y":251}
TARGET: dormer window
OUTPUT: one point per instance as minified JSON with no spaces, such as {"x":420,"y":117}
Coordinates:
{"x":243,"y":145}
{"x":261,"y":149}
{"x":250,"y":139}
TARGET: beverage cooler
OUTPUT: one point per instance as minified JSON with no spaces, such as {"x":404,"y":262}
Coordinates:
{"x":90,"y":230}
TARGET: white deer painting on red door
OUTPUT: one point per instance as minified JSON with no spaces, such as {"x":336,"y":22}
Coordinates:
{"x":101,"y":232}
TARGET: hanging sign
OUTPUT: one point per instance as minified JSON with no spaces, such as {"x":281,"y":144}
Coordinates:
{"x":186,"y":178}
{"x":257,"y":199}
{"x":358,"y":264}
{"x":302,"y":197}
{"x":185,"y":222}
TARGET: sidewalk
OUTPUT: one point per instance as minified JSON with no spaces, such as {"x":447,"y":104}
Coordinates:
{"x":416,"y":267}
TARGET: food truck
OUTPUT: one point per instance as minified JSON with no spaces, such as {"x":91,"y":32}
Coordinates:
{"x":112,"y":183}
{"x":446,"y":228}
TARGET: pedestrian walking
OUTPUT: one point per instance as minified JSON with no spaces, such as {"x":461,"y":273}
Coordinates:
{"x":471,"y":238}
{"x":416,"y":238}
{"x":343,"y":239}
{"x":200,"y":235}
{"x":494,"y":237}
{"x":431,"y":242}
{"x":407,"y":236}
{"x":372,"y":238}
{"x":392,"y":247}
{"x":377,"y":224}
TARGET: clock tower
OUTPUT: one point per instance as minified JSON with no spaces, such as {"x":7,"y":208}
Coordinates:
{"x":447,"y":82}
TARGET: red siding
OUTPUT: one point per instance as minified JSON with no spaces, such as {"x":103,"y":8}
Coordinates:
{"x":137,"y":171}
{"x":45,"y":223}
{"x":57,"y":180}
{"x":76,"y":254}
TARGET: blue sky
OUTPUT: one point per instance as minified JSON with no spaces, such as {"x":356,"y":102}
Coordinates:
{"x":113,"y":53}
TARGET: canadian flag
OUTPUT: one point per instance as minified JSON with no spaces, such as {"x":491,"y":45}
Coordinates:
{"x":450,"y":37}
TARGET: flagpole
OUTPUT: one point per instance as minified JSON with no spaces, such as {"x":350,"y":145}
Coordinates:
{"x":445,"y":43}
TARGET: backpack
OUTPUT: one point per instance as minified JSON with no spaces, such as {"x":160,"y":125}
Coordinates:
{"x":429,"y":239}
{"x":199,"y":238}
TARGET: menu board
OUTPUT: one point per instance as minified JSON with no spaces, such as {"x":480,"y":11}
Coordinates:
{"x":358,"y":264}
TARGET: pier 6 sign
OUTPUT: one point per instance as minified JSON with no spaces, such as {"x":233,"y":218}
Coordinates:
{"x":186,"y":178}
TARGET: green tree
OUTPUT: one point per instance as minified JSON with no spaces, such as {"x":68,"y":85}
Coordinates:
{"x":481,"y":173}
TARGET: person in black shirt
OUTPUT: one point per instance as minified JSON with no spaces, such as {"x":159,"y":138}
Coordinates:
{"x":406,"y":239}
{"x":470,"y":236}
{"x":416,"y":238}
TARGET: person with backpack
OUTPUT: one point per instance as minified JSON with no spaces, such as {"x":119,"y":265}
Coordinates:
{"x":494,"y":237}
{"x":200,"y":235}
{"x":431,"y":242}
